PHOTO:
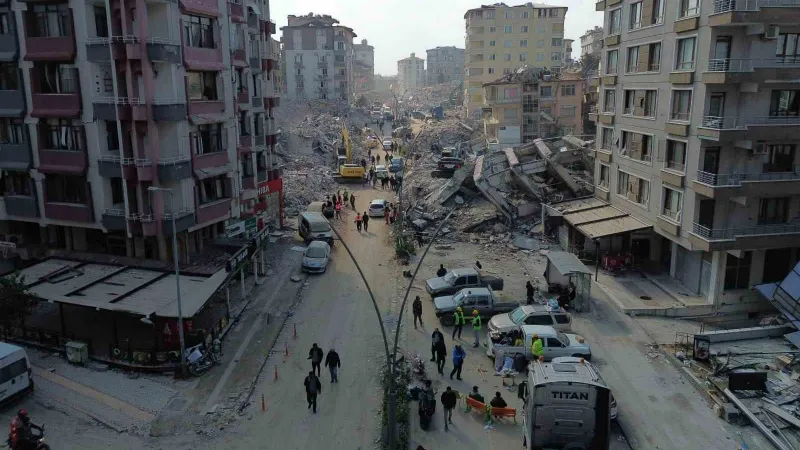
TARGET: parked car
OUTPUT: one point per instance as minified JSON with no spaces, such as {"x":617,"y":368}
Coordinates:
{"x":376,"y":208}
{"x":482,"y":300}
{"x":396,"y":164}
{"x":573,"y":360}
{"x":555,"y":343}
{"x":531,"y":315}
{"x":316,"y":257}
{"x":387,"y":144}
{"x":313,"y":226}
{"x":321,"y":207}
{"x":458,"y":279}
{"x":381,"y":172}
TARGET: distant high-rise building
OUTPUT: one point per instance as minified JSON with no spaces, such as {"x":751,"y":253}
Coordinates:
{"x":503,"y":38}
{"x":410,"y":73}
{"x":364,"y":67}
{"x":319,"y":57}
{"x":445,"y":64}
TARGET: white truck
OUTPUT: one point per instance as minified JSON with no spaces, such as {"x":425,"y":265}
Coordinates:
{"x":16,"y":377}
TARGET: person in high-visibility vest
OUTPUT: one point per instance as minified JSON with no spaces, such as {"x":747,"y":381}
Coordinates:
{"x":537,"y":348}
{"x":458,"y":322}
{"x":476,"y":327}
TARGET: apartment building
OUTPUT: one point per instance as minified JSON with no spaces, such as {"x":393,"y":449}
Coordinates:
{"x":568,"y":51}
{"x":698,"y":133}
{"x":104,"y":100}
{"x":319,"y":56}
{"x":385,"y":83}
{"x":410,"y":73}
{"x":364,"y":67}
{"x":592,"y":41}
{"x":502,"y":38}
{"x":445,"y":64}
{"x":532,"y":103}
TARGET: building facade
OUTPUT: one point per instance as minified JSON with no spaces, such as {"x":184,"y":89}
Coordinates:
{"x":320,"y":57}
{"x":568,"y":51}
{"x":698,"y":138}
{"x":592,"y":41}
{"x":105,"y":100}
{"x":364,"y":67}
{"x":503,"y":38}
{"x":410,"y":73}
{"x":384,"y":83}
{"x":445,"y":65}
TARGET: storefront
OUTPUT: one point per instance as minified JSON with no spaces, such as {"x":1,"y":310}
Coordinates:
{"x":268,"y":205}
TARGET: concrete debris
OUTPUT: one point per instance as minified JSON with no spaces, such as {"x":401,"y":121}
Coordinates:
{"x":296,"y":278}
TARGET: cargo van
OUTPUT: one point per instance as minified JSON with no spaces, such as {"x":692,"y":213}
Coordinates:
{"x":313,"y":226}
{"x":16,"y":377}
{"x":567,"y":406}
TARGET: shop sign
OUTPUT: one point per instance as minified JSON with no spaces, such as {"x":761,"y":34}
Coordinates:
{"x":236,"y":229}
{"x":251,"y":225}
{"x":237,"y":259}
{"x":260,"y":238}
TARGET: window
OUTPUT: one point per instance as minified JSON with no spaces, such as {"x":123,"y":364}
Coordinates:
{"x":16,"y":183}
{"x":198,"y":31}
{"x":61,"y":134}
{"x":555,"y":56}
{"x":633,"y":188}
{"x":688,"y":8}
{"x":117,"y":196}
{"x":788,"y":47}
{"x":507,"y":29}
{"x":604,"y":177}
{"x":11,"y":131}
{"x":540,"y":56}
{"x":507,"y":57}
{"x":608,"y":139}
{"x":568,"y":111}
{"x":524,"y":28}
{"x":211,"y":189}
{"x":737,"y":271}
{"x":492,"y":57}
{"x":244,"y":124}
{"x":523,"y":43}
{"x":554,"y":12}
{"x":540,"y":43}
{"x":506,"y":71}
{"x":546,"y":91}
{"x":780,"y":158}
{"x":773,"y":210}
{"x":681,"y":105}
{"x":202,"y":86}
{"x":492,"y":43}
{"x":100,"y":22}
{"x":567,"y":90}
{"x":614,"y":22}
{"x":542,"y":12}
{"x":609,"y":100}
{"x":541,"y":28}
{"x":785,"y":103}
{"x":211,"y":138}
{"x":488,"y":14}
{"x":557,"y":42}
{"x":5,"y":22}
{"x":55,"y":79}
{"x":676,"y":155}
{"x":491,"y":70}
{"x":657,"y":17}
{"x":611,"y":62}
{"x":508,"y":44}
{"x":492,"y":29}
{"x":9,"y":81}
{"x":50,"y":21}
{"x":640,"y":103}
{"x":685,"y":54}
{"x":632,"y":65}
{"x":672,"y":204}
{"x":523,"y":56}
{"x":523,"y":15}
{"x":509,"y":15}
{"x":66,"y":189}
{"x":635,"y":16}
{"x":637,"y":146}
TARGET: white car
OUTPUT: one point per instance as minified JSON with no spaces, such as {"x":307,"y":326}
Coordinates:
{"x":316,"y":257}
{"x":387,"y":144}
{"x":376,"y":208}
{"x":571,"y":359}
{"x":381,"y":172}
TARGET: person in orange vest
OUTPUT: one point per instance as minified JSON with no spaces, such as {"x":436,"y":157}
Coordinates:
{"x":358,"y":222}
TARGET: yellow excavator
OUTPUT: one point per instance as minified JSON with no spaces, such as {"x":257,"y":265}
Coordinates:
{"x":347,"y":171}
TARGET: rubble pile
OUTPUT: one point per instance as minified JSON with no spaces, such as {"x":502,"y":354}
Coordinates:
{"x":446,"y":133}
{"x":307,"y":179}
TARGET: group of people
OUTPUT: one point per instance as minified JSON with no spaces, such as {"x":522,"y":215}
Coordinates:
{"x":337,"y":202}
{"x":311,"y":383}
{"x":449,"y":401}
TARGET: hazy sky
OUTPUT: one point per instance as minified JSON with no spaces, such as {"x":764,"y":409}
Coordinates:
{"x":399,"y":27}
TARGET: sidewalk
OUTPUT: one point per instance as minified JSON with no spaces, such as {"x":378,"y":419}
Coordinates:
{"x":640,"y":293}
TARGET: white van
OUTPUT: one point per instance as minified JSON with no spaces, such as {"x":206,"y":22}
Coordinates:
{"x":16,"y":377}
{"x":313,"y":226}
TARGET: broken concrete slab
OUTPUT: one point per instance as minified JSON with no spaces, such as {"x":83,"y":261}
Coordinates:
{"x":526,"y":243}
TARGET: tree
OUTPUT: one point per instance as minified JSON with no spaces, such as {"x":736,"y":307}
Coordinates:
{"x":588,"y":63}
{"x":362,"y":101}
{"x":15,"y":301}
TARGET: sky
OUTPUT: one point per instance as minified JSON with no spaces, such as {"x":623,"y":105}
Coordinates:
{"x":397,"y":28}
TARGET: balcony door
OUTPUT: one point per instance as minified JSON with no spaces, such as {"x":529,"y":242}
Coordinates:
{"x":706,"y":216}
{"x":722,"y":52}
{"x":711,"y":160}
{"x":716,"y":104}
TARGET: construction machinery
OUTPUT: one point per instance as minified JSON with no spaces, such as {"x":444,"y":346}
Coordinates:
{"x":347,"y":172}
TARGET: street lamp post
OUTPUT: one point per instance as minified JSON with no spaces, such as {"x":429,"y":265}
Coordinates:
{"x":177,"y":277}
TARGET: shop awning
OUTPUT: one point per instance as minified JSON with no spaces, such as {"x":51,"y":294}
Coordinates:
{"x":596,"y":219}
{"x":202,"y":174}
{"x":612,"y":227}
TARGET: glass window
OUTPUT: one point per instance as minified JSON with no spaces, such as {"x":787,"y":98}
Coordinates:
{"x":568,"y":90}
{"x":640,"y":103}
{"x":609,"y":100}
{"x":492,"y":43}
{"x":672,"y":204}
{"x":557,"y":42}
{"x":523,"y":28}
{"x":737,"y":271}
{"x":555,"y":56}
{"x":657,"y":16}
{"x":788,"y":47}
{"x":685,"y":54}
{"x":608,"y":139}
{"x":611,"y":62}
{"x":523,"y":43}
{"x":780,"y":158}
{"x":66,"y":189}
{"x":614,"y":22}
{"x":635,"y":16}
{"x":568,"y":111}
{"x":53,"y":20}
{"x":507,"y":57}
{"x":508,"y":29}
{"x":202,"y":85}
{"x":13,"y":370}
{"x":785,"y":103}
{"x":633,"y":188}
{"x":508,"y":44}
{"x":540,"y":56}
{"x":633,"y":60}
{"x":676,"y":155}
{"x":8,"y":77}
{"x":523,"y":56}
{"x":681,"y":105}
{"x":539,"y":319}
{"x":61,"y":134}
{"x":11,"y":131}
{"x":604,"y":176}
{"x":198,"y":31}
{"x":773,"y":210}
{"x":654,"y":57}
{"x":688,"y":8}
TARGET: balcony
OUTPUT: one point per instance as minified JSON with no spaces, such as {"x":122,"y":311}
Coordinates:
{"x":71,"y":212}
{"x":751,"y":238}
{"x":114,"y":166}
{"x":502,"y":101}
{"x":253,"y":23}
{"x":243,"y":97}
{"x":749,"y":128}
{"x":65,"y":156}
{"x":239,"y":58}
{"x":202,"y":7}
{"x":65,"y":104}
{"x":175,"y":168}
{"x":9,"y":46}
{"x":764,"y":184}
{"x":114,"y":219}
{"x":107,"y":108}
{"x":271,"y":27}
{"x":12,"y":102}
{"x":749,"y":12}
{"x":201,"y":58}
{"x":236,"y":12}
{"x":22,"y":205}
{"x":215,"y":210}
{"x":255,"y":63}
{"x":245,"y":144}
{"x":727,"y":71}
{"x":169,"y":110}
{"x":164,"y":50}
{"x":51,"y":48}
{"x":184,"y":219}
{"x":17,"y":155}
{"x":206,"y":108}
{"x":257,"y":102}
{"x":593,"y":113}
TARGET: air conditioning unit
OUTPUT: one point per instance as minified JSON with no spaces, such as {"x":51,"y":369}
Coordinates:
{"x":772,"y":32}
{"x":77,"y":352}
{"x":760,"y":148}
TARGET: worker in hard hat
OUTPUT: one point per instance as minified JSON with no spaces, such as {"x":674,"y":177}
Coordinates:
{"x":476,"y":327}
{"x":537,"y":348}
{"x":458,"y":322}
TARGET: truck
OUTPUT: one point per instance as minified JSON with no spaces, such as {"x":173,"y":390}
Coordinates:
{"x":566,"y":406}
{"x":458,"y":279}
{"x":483,"y":300}
{"x":554,"y":343}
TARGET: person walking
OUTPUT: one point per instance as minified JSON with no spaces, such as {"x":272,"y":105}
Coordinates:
{"x":365,"y":219}
{"x":442,"y":271}
{"x":449,"y":400}
{"x":417,"y":234}
{"x":476,"y":327}
{"x":333,"y":362}
{"x":416,"y":310}
{"x":441,"y":356}
{"x":313,"y":388}
{"x":458,"y":322}
{"x":315,"y":355}
{"x":459,"y":355}
{"x":537,"y":347}
{"x":529,"y":290}
{"x":436,"y":337}
{"x":339,"y":209}
{"x":358,"y":222}
{"x":352,"y":201}
{"x":386,"y":214}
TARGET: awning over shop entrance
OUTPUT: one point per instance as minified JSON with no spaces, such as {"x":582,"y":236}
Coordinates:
{"x":597,"y":219}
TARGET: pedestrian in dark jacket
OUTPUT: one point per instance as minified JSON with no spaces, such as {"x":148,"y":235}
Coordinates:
{"x":449,"y":399}
{"x":417,"y":234}
{"x":313,"y":388}
{"x":459,"y":355}
{"x":416,"y":309}
{"x":365,"y":219}
{"x":315,"y":355}
{"x":441,"y":356}
{"x":436,"y":338}
{"x":529,"y":289}
{"x":332,"y":362}
{"x":497,"y":401}
{"x":442,"y":271}
{"x":352,"y":201}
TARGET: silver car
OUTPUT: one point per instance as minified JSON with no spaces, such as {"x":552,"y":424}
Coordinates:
{"x":316,"y":257}
{"x":376,"y":208}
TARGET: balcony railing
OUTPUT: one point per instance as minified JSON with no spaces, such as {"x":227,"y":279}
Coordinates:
{"x":503,"y":100}
{"x":723,"y":6}
{"x":729,"y":234}
{"x":741,"y":123}
{"x":748,"y":65}
{"x":736,"y":179}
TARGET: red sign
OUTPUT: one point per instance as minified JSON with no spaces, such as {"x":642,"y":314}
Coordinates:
{"x":268,"y":188}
